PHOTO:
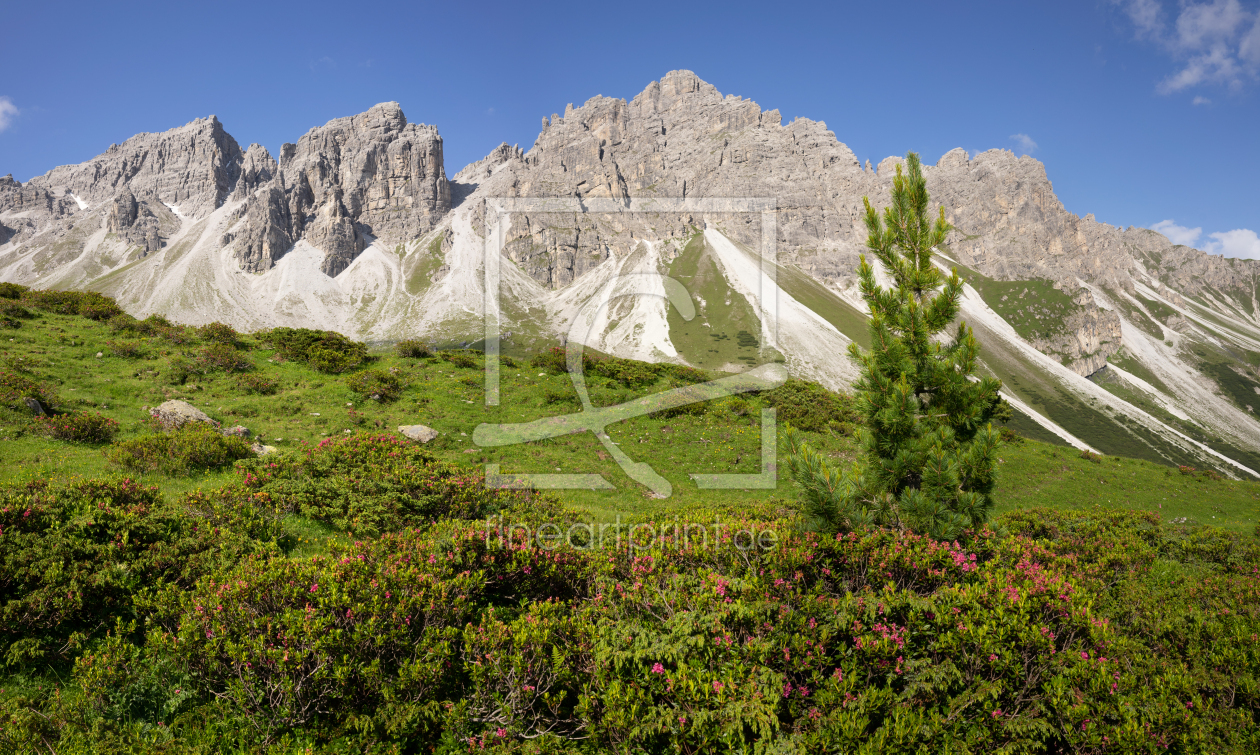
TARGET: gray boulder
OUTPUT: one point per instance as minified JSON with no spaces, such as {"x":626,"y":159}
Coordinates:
{"x":419,"y":433}
{"x":238,"y":431}
{"x":175,"y":413}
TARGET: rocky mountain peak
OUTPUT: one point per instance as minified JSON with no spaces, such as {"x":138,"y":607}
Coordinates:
{"x":192,"y":167}
{"x":257,"y":168}
{"x":367,"y":175}
{"x":474,"y":173}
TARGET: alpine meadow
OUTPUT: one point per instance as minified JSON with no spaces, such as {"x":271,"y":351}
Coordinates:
{"x":681,"y":431}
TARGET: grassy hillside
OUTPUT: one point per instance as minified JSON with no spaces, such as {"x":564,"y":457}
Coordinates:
{"x":346,"y":594}
{"x":308,"y":406}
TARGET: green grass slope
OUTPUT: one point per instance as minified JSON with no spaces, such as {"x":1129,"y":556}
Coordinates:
{"x":308,"y":406}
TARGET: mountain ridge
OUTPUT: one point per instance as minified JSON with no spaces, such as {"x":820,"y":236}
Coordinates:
{"x":357,"y":228}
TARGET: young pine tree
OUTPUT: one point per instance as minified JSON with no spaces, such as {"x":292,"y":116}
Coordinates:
{"x":927,"y":449}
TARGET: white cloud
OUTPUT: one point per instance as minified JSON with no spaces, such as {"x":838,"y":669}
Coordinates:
{"x":1025,"y":143}
{"x":1240,"y":242}
{"x":1216,"y":42}
{"x":1147,"y":16}
{"x":1178,"y":234}
{"x":1201,"y":101}
{"x":1216,"y":66}
{"x":8,"y":111}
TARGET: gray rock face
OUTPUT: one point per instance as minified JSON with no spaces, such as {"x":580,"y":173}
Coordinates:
{"x":193,"y":167}
{"x":175,"y":413}
{"x":266,"y":233}
{"x":134,"y":222}
{"x":419,"y":433}
{"x":257,"y":168}
{"x":124,"y":212}
{"x":369,"y":175}
{"x":681,"y":138}
{"x":336,"y":233}
{"x":475,"y":173}
{"x":678,"y":138}
{"x":25,"y":210}
{"x":374,"y":175}
{"x":1087,"y":337}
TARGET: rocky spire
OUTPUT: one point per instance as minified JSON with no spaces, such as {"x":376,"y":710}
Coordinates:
{"x":368,"y":175}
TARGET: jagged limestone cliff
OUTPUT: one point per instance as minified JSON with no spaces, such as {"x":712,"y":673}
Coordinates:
{"x":356,"y":228}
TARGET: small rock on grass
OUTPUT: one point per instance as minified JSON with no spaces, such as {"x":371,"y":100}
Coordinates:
{"x":175,"y":413}
{"x":419,"y":433}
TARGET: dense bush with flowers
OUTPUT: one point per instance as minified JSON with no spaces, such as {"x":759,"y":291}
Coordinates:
{"x":133,"y":624}
{"x":79,"y":427}
{"x":78,"y":556}
{"x":368,"y":484}
{"x":1073,"y":633}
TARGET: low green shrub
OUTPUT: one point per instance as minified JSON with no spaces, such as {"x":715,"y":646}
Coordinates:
{"x":77,"y":556}
{"x":324,"y":350}
{"x":195,"y":446}
{"x":462,"y":359}
{"x":15,"y":311}
{"x":371,"y":633}
{"x":218,"y":332}
{"x":15,"y":387}
{"x":178,"y":335}
{"x":684,"y":374}
{"x":178,"y":370}
{"x":694,"y":409}
{"x":256,"y":383}
{"x":809,"y":406}
{"x":555,"y":360}
{"x":378,"y":385}
{"x":474,"y":634}
{"x":412,"y":349}
{"x":332,"y":362}
{"x":222,"y":357}
{"x":1010,"y":437}
{"x":78,"y":427}
{"x":149,"y":326}
{"x":628,"y":372}
{"x":125,"y":349}
{"x":564,"y":396}
{"x":12,"y":290}
{"x":12,"y":314}
{"x":371,"y":484}
{"x":737,"y":406}
{"x":123,"y":323}
{"x":85,"y":303}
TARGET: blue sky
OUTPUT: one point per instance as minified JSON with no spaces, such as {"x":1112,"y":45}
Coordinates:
{"x":1144,"y":112}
